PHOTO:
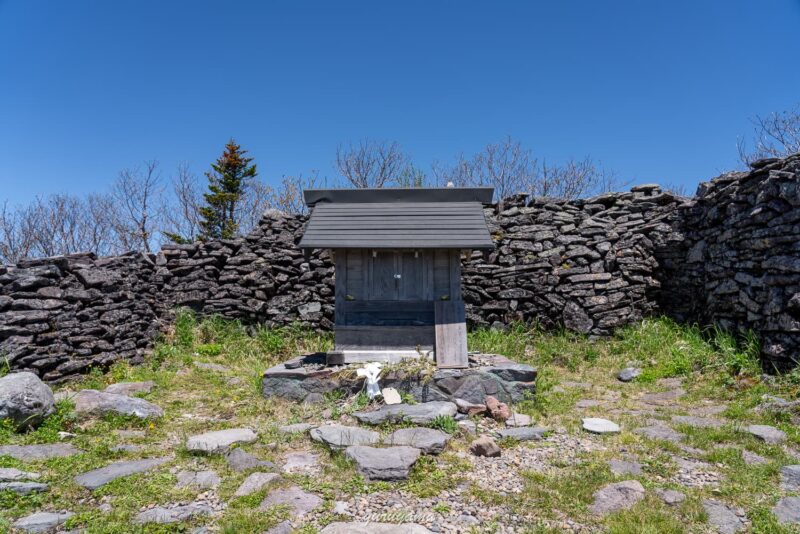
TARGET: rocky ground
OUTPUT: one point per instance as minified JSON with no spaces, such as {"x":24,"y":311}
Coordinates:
{"x":186,"y":443}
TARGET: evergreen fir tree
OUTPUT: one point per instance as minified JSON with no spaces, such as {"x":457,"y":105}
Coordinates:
{"x":227,"y":182}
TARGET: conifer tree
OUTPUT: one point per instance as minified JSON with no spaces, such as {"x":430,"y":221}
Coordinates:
{"x":227,"y":183}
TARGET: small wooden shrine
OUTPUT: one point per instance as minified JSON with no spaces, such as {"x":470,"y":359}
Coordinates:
{"x":397,"y":256}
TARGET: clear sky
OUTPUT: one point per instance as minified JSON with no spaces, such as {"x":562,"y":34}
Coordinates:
{"x":658,"y":91}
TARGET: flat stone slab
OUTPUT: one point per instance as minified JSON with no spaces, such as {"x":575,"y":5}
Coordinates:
{"x":298,"y":462}
{"x":624,"y":467}
{"x":220,"y":440}
{"x":300,"y":502}
{"x":98,"y":477}
{"x":10,"y":474}
{"x":97,"y":403}
{"x":523,"y":433}
{"x":427,"y":440}
{"x":241,"y":460}
{"x":751,"y":458}
{"x":297,"y":428}
{"x":166,"y":515}
{"x":519,"y":419}
{"x":419,"y":414}
{"x":24,"y":488}
{"x":131,"y":388}
{"x":256,"y":482}
{"x":375,"y":528}
{"x":33,"y":453}
{"x":787,"y":510}
{"x":391,"y":463}
{"x":698,"y":422}
{"x":660,"y":432}
{"x":341,"y":437}
{"x":596,"y":425}
{"x":670,"y":497}
{"x":617,"y":496}
{"x":663,"y":398}
{"x":723,"y":517}
{"x":198,"y":479}
{"x":587,"y":403}
{"x":42,"y":521}
{"x":790,"y":477}
{"x":767,"y":434}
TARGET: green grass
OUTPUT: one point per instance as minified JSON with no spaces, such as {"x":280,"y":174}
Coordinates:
{"x":714,"y":367}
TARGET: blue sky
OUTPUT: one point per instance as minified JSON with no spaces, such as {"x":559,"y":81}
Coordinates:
{"x":658,"y":91}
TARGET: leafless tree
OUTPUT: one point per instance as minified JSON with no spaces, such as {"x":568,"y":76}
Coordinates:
{"x":371,"y":163}
{"x":137,"y":206}
{"x":16,"y":235}
{"x":256,"y":200}
{"x":182,"y":211}
{"x":776,"y":135}
{"x":288,"y":196}
{"x":573,"y":179}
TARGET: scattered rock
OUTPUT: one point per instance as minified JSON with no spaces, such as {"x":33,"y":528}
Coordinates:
{"x":697,"y":422}
{"x":256,"y":482}
{"x":485,"y":446}
{"x":420,"y":414}
{"x":96,"y":403}
{"x":300,"y":462}
{"x":98,"y":477}
{"x":498,"y":410}
{"x":670,"y":497}
{"x":25,"y":400}
{"x":10,"y":474}
{"x":130,"y":434}
{"x":341,"y":437}
{"x":470,"y":408}
{"x":767,"y":434}
{"x":42,"y":521}
{"x":428,"y":440}
{"x":391,"y":463}
{"x":660,"y":432}
{"x":297,"y":428}
{"x":341,"y":508}
{"x":664,"y":398}
{"x":751,"y":458}
{"x":624,"y":467}
{"x":300,"y":502}
{"x":23,"y":488}
{"x":617,"y":496}
{"x":468,"y":427}
{"x":519,"y":419}
{"x":724,"y":518}
{"x":628,"y":374}
{"x":131,"y":388}
{"x":597,"y":425}
{"x":284,"y":527}
{"x":523,"y":433}
{"x":211,"y":367}
{"x":35,"y":453}
{"x":587,"y":403}
{"x":790,"y":477}
{"x":126,"y":447}
{"x":198,"y":479}
{"x":241,"y":460}
{"x":391,"y":396}
{"x":220,"y":440}
{"x":375,"y":528}
{"x":787,"y":510}
{"x":175,"y":514}
{"x":576,"y":385}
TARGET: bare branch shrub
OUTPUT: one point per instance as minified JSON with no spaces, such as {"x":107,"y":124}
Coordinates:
{"x":137,"y":206}
{"x":371,"y":163}
{"x":776,"y":135}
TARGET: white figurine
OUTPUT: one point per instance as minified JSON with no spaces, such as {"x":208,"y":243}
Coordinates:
{"x":371,"y":370}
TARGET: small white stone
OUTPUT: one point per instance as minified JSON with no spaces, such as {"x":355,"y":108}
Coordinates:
{"x":597,"y":425}
{"x":391,"y":396}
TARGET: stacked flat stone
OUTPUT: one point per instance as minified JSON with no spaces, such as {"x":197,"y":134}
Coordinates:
{"x":725,"y":257}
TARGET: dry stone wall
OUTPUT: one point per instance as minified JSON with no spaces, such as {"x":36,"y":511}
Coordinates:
{"x":730,"y":256}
